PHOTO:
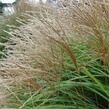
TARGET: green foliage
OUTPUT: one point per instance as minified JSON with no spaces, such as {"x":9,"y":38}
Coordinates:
{"x":86,"y":88}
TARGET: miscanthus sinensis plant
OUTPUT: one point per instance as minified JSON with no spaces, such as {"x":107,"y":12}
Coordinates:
{"x":59,"y":59}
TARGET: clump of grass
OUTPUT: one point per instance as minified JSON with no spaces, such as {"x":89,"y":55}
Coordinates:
{"x":60,"y":58}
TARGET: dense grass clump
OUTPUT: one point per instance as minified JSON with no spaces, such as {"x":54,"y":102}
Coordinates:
{"x":60,"y":58}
